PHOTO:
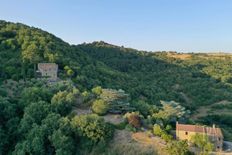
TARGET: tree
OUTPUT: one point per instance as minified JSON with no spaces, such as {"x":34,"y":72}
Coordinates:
{"x":203,"y":143}
{"x":32,"y":54}
{"x":3,"y":142}
{"x":143,"y":107}
{"x":177,"y":147}
{"x":34,"y":143}
{"x":157,"y":130}
{"x":35,"y":94}
{"x":97,"y":90}
{"x":34,"y":114}
{"x":118,"y":100}
{"x":100,"y":107}
{"x":170,"y":110}
{"x":69,"y":71}
{"x":63,"y":144}
{"x":92,"y":127}
{"x":7,"y":110}
{"x":63,"y":101}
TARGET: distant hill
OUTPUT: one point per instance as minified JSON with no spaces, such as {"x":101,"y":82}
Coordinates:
{"x":192,"y":79}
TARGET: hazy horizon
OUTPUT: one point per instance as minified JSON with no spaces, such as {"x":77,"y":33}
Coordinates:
{"x":161,"y":25}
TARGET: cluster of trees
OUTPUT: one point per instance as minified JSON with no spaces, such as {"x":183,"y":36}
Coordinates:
{"x":40,"y":122}
{"x":156,"y":76}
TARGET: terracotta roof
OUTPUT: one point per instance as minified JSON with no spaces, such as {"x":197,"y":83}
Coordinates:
{"x":200,"y":129}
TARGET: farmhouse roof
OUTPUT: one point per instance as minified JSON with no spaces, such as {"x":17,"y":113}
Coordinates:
{"x":200,"y":129}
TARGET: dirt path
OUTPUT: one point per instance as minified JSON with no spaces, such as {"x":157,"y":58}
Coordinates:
{"x":79,"y":111}
{"x":113,"y":118}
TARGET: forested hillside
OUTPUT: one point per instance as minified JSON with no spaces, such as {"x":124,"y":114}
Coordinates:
{"x":159,"y":76}
{"x":152,"y":77}
{"x":193,"y":80}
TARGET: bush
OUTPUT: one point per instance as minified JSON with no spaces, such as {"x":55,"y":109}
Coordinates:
{"x":166,"y":137}
{"x":157,"y":130}
{"x":129,"y":127}
{"x":142,"y":107}
{"x":97,"y":90}
{"x":178,"y":148}
{"x":168,"y":128}
{"x":100,"y":107}
{"x":92,"y":127}
{"x":62,"y":102}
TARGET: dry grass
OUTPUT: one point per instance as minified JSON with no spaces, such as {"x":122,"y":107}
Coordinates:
{"x":179,"y":56}
{"x":79,"y":111}
{"x":154,"y":142}
{"x":220,"y":56}
{"x":113,"y":118}
{"x":124,"y":144}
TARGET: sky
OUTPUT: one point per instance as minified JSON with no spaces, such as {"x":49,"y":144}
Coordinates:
{"x":152,"y":25}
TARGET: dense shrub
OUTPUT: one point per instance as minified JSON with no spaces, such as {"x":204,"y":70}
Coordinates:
{"x":100,"y":107}
{"x":93,"y":127}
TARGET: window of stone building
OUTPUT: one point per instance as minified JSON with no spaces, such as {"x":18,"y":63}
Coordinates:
{"x":186,"y":133}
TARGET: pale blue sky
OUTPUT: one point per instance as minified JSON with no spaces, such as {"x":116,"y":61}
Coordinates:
{"x":180,"y":25}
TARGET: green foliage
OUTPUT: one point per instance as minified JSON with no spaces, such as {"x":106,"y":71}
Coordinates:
{"x":100,"y":107}
{"x":131,"y":128}
{"x":93,"y":127}
{"x":120,"y":126}
{"x":166,"y":137}
{"x":157,"y":130}
{"x":203,"y":143}
{"x":62,"y":102}
{"x":34,"y":114}
{"x":170,"y":110}
{"x":168,"y":128}
{"x":143,"y":107}
{"x":118,"y":100}
{"x":69,"y":71}
{"x":63,"y":144}
{"x":35,"y":94}
{"x":29,"y":125}
{"x":97,"y":90}
{"x":178,"y":148}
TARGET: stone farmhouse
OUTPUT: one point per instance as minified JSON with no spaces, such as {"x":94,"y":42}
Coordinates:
{"x":185,"y":132}
{"x":48,"y":70}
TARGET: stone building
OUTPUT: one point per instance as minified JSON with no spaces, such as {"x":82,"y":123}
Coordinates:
{"x":48,"y":70}
{"x":185,"y":132}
